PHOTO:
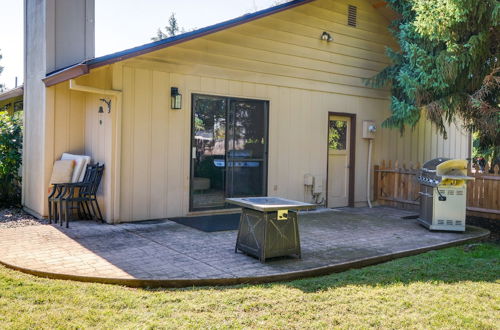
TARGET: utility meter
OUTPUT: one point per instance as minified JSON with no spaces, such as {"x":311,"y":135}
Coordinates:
{"x":369,"y":129}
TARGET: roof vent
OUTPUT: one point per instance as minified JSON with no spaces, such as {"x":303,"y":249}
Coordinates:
{"x":352,"y":16}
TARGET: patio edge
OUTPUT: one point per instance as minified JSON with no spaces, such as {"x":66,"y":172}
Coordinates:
{"x":183,"y":283}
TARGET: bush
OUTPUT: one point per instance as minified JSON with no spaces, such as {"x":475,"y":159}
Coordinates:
{"x":11,"y":140}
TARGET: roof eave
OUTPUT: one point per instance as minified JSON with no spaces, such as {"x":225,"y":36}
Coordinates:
{"x":84,"y":68}
{"x":66,"y":74}
{"x":15,"y":92}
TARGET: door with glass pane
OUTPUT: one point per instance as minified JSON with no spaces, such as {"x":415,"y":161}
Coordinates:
{"x":228,"y":150}
{"x":339,"y":129}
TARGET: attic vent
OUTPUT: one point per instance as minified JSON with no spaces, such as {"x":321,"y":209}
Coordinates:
{"x":352,"y":16}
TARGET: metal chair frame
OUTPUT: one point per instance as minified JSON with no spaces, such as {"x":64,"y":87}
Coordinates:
{"x":64,"y":196}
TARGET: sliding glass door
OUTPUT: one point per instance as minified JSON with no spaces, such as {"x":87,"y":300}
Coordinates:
{"x":228,"y":150}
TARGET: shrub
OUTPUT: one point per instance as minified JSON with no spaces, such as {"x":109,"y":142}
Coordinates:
{"x":11,"y":140}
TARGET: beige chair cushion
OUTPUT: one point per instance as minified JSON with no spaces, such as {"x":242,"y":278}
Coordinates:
{"x":81,"y":162}
{"x":62,"y":172}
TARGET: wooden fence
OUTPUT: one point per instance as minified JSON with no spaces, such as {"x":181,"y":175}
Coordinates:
{"x":396,"y":185}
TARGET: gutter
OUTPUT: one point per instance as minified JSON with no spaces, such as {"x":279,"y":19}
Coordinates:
{"x":12,"y":93}
{"x":66,"y":74}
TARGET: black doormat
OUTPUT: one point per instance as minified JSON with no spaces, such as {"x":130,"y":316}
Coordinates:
{"x":211,"y":223}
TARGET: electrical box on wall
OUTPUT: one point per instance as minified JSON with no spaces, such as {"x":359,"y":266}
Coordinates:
{"x":369,"y":129}
{"x":318,"y":185}
{"x":308,"y":180}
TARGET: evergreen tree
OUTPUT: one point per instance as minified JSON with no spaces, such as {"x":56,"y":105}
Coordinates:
{"x":159,"y":35}
{"x":170,"y":30}
{"x":447,"y":66}
{"x":1,"y":69}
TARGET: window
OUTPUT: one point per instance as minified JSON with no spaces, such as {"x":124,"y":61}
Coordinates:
{"x":352,"y":15}
{"x":337,"y":135}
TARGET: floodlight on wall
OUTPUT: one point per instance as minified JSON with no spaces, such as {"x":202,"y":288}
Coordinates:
{"x":325,"y":36}
{"x":176,"y":98}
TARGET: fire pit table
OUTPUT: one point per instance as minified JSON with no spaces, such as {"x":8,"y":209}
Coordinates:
{"x":269,"y":226}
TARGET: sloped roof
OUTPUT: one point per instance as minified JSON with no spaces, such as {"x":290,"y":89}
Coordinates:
{"x":15,"y":92}
{"x":80,"y":69}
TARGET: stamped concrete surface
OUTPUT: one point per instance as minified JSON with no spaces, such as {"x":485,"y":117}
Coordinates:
{"x":167,"y":251}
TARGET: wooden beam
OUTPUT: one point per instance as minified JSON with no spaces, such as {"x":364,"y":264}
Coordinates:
{"x":481,"y":210}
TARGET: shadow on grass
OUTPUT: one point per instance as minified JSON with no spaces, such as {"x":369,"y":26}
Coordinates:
{"x":472,"y":262}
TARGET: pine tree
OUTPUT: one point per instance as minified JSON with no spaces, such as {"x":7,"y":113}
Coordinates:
{"x":1,"y":69}
{"x":159,"y":35}
{"x":171,"y":29}
{"x":447,"y":66}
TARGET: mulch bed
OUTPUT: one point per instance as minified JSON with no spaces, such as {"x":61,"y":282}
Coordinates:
{"x":15,"y":217}
{"x":492,"y":225}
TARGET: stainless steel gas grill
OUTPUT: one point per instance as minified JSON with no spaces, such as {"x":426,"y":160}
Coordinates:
{"x":443,"y":194}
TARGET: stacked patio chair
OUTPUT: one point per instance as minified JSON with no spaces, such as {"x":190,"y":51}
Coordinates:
{"x":79,"y":196}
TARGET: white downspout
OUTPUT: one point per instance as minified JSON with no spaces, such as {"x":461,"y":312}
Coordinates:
{"x":368,"y":174}
{"x":369,"y":130}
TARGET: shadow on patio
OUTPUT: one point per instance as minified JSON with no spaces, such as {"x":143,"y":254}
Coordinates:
{"x":164,"y":253}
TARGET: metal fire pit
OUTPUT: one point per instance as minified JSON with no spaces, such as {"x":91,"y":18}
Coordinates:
{"x":443,"y":194}
{"x":269,"y":226}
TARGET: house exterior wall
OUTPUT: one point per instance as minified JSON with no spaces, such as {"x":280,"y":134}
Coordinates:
{"x":278,"y":58}
{"x":146,"y":145}
{"x":8,"y":104}
{"x":78,"y":128}
{"x":57,"y":33}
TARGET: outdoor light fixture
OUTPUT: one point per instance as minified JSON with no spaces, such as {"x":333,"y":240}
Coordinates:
{"x":326,"y":37}
{"x":176,"y":98}
{"x":100,"y":113}
{"x":108,"y":103}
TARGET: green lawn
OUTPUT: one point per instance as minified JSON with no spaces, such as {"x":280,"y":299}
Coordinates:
{"x":453,"y":288}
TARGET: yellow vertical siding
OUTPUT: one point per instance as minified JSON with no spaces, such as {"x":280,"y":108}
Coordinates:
{"x":72,"y":126}
{"x":279,"y":59}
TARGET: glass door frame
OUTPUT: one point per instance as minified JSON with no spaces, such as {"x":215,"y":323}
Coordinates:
{"x":228,"y":101}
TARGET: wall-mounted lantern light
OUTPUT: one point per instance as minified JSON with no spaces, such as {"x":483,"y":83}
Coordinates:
{"x":325,"y":36}
{"x":176,"y":98}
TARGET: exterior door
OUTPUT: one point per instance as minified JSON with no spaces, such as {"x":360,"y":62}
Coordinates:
{"x":228,"y":150}
{"x":246,"y":148}
{"x":339,"y":130}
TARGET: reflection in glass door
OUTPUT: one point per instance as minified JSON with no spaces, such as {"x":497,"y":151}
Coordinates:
{"x":229,"y":150}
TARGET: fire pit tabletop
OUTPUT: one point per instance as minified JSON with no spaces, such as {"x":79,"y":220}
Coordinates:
{"x":269,"y":204}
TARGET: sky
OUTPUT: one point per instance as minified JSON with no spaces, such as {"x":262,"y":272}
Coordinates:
{"x":120,"y":24}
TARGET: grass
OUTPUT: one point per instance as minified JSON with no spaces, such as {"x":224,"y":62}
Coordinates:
{"x":452,"y":288}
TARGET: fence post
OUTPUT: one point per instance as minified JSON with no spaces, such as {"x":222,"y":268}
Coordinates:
{"x":375,"y":182}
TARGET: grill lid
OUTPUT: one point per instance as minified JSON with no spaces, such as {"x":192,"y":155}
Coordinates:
{"x":433,"y":163}
{"x":436,"y":170}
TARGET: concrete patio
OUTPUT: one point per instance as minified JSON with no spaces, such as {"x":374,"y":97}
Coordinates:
{"x":164,"y":253}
